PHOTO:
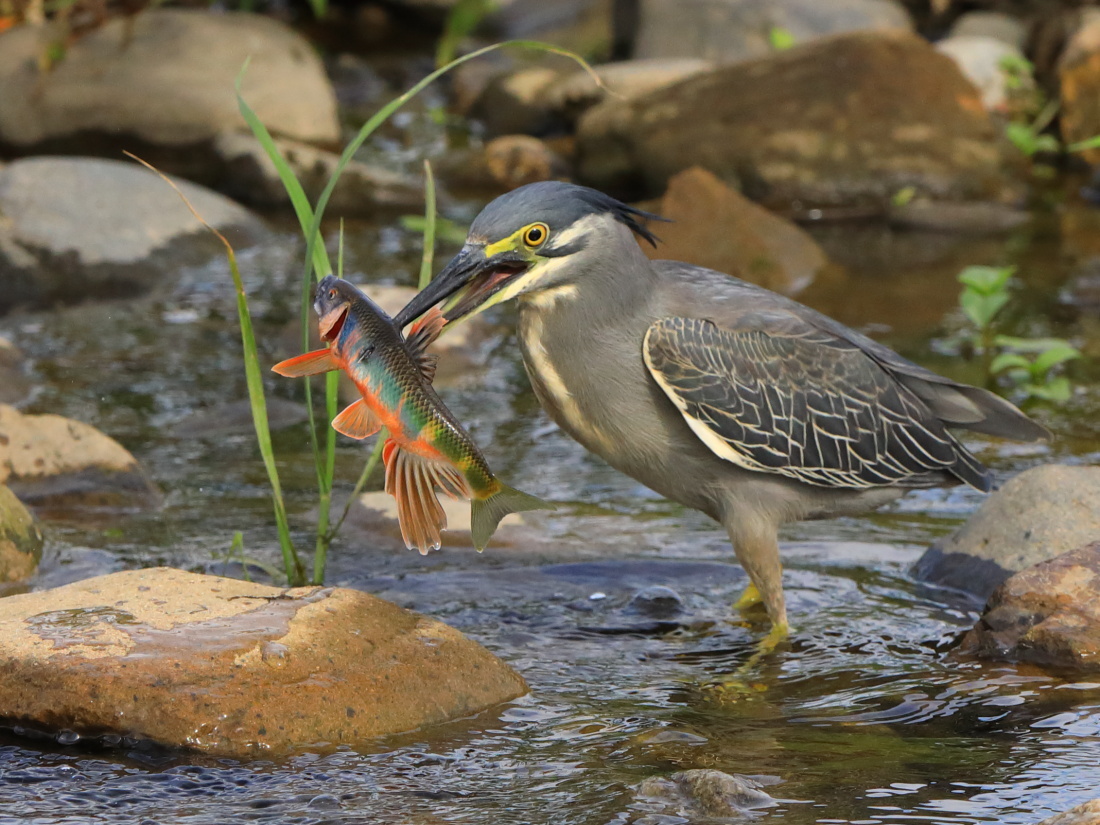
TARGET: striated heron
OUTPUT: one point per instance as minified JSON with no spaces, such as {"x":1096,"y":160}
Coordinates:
{"x":715,"y":393}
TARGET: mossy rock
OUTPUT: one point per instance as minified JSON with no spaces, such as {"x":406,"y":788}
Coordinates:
{"x":20,"y":539}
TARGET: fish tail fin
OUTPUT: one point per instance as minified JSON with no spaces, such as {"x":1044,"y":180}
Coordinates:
{"x":412,"y":481}
{"x":486,"y":513}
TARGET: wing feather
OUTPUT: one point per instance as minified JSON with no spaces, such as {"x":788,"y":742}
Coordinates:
{"x":788,"y":398}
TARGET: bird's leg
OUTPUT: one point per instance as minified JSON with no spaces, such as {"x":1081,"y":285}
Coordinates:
{"x":758,"y":552}
{"x":748,"y":599}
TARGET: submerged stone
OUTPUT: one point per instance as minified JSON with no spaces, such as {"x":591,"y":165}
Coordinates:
{"x":705,"y":793}
{"x":54,"y":462}
{"x":1048,"y":614}
{"x":1087,"y":813}
{"x":233,"y":668}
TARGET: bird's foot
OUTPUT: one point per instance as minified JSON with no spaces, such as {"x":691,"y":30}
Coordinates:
{"x":739,"y":685}
{"x":749,"y":599}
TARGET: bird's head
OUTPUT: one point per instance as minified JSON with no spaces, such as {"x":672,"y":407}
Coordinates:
{"x":539,"y":237}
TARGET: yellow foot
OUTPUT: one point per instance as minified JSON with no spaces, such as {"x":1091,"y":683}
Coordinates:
{"x":748,"y":600}
{"x":737,"y":686}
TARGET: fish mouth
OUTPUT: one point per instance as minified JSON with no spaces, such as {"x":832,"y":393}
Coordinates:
{"x":484,"y":286}
{"x":331,"y":324}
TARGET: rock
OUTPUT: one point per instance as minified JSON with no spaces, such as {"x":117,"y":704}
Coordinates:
{"x":981,"y":59}
{"x":72,"y":228}
{"x":656,"y":602}
{"x":20,"y":539}
{"x":164,"y":77}
{"x":517,"y":103}
{"x":515,"y":160}
{"x":232,"y":668}
{"x":962,"y":218}
{"x":716,"y":227}
{"x":848,"y":120}
{"x":14,"y":385}
{"x":379,"y":515}
{"x":995,"y":24}
{"x":55,"y":462}
{"x":1087,"y":813}
{"x":363,"y":189}
{"x":1037,"y":515}
{"x":1079,"y":77}
{"x":702,"y":794}
{"x":1047,"y":614}
{"x":627,"y":79}
{"x":731,"y":30}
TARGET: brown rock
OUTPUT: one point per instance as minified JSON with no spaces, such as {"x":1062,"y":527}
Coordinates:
{"x":1087,"y":813}
{"x":1079,"y":75}
{"x":55,"y":462}
{"x":165,"y":76}
{"x":233,"y":668}
{"x":515,"y":160}
{"x":716,"y":227}
{"x":20,"y":539}
{"x":851,"y":119}
{"x":1048,"y":614}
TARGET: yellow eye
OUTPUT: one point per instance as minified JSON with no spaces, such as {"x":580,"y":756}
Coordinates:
{"x":536,"y":234}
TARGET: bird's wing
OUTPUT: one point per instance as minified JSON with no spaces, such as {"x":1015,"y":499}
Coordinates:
{"x":772,"y":393}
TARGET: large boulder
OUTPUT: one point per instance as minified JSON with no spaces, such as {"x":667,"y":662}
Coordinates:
{"x":730,"y":30}
{"x":1048,"y":614}
{"x":74,"y":228}
{"x":57,"y":463}
{"x":982,"y":59}
{"x":850,"y":119}
{"x":233,"y":668}
{"x":716,"y":227}
{"x":1038,"y":515}
{"x":164,"y":77}
{"x":20,"y":539}
{"x":1079,"y":76}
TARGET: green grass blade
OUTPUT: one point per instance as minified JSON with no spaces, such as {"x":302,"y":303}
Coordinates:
{"x":292,"y":565}
{"x":429,"y":227}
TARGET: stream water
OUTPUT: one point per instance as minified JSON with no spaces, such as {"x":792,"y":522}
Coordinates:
{"x":865,"y":718}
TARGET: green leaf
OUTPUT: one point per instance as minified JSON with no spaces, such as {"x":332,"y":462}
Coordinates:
{"x":986,"y":279}
{"x":1008,"y":360}
{"x":445,"y":230}
{"x":462,"y":20}
{"x":780,"y":38}
{"x":1047,"y":143}
{"x":1021,"y":136}
{"x":1035,"y":345}
{"x":982,"y":309}
{"x":1054,"y":356}
{"x":1057,"y":389}
{"x":1084,"y":145}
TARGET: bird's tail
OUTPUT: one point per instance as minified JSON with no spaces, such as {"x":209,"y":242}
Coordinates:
{"x":972,"y":408}
{"x":486,"y":513}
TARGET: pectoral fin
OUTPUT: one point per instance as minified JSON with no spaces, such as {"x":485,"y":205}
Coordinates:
{"x":311,"y":363}
{"x":357,"y":421}
{"x":412,"y":481}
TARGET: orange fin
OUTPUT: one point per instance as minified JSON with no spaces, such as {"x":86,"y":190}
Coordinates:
{"x":357,"y":421}
{"x":412,"y":481}
{"x":421,"y":336}
{"x":311,"y":363}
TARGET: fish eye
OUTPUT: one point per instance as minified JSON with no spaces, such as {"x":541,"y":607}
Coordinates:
{"x":332,"y":293}
{"x":536,"y":234}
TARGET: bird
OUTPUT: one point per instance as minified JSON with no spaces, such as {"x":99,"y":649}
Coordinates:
{"x":716,"y":393}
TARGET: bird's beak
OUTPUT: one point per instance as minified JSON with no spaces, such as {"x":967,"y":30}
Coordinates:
{"x":481,"y":276}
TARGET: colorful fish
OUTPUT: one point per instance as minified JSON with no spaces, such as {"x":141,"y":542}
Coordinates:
{"x":428,"y":450}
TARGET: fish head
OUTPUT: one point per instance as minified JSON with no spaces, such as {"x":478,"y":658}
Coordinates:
{"x":332,"y":305}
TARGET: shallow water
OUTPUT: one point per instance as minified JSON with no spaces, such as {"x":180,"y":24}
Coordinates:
{"x":866,"y":717}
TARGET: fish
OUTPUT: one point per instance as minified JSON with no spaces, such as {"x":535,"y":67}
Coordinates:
{"x":428,"y":450}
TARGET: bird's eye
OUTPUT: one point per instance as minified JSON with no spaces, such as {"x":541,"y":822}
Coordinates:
{"x":536,"y":234}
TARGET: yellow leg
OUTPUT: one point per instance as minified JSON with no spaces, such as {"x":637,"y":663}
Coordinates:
{"x":749,"y":599}
{"x":736,"y":686}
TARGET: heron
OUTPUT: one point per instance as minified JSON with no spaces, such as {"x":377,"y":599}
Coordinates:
{"x":716,"y":393}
